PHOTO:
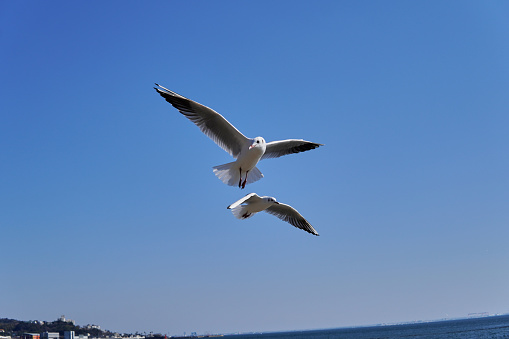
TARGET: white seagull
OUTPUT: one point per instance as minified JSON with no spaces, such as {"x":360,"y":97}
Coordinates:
{"x":246,"y":151}
{"x":252,"y":204}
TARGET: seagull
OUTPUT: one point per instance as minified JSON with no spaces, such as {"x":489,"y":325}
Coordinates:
{"x":246,"y":151}
{"x":252,"y":203}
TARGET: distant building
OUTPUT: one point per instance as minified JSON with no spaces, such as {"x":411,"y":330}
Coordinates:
{"x":31,"y":336}
{"x":50,"y":335}
{"x":62,"y":318}
{"x":68,"y":334}
{"x":92,"y":327}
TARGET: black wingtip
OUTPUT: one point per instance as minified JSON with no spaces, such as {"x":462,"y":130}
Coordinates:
{"x":157,"y":84}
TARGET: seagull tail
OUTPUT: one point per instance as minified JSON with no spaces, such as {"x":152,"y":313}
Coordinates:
{"x":240,"y":212}
{"x":229,"y":174}
{"x":254,"y":175}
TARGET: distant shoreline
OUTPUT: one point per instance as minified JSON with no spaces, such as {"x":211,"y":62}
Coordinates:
{"x":36,"y":327}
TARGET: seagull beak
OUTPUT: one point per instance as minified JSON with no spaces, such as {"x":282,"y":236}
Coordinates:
{"x":253,"y":145}
{"x":276,"y":202}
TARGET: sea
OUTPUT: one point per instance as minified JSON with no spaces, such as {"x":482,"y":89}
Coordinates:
{"x":469,"y":328}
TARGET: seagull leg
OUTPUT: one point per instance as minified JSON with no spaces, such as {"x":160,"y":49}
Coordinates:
{"x":245,"y":180}
{"x":240,"y":177}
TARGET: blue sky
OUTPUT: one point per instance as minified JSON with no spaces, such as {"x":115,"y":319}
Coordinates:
{"x":110,"y":212}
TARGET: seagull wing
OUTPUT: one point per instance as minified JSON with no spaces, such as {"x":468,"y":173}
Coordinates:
{"x":249,"y":198}
{"x":276,"y":149}
{"x":290,"y":215}
{"x":213,"y":124}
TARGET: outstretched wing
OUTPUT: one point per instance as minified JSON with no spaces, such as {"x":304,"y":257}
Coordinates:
{"x":213,"y":124}
{"x":290,"y":215}
{"x":251,"y":197}
{"x":276,"y":149}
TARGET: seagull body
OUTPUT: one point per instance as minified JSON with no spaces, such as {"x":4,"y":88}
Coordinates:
{"x":249,"y":156}
{"x":246,"y":151}
{"x":251,"y":204}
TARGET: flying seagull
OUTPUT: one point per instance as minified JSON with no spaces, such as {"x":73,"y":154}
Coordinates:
{"x":246,"y":151}
{"x":252,"y":204}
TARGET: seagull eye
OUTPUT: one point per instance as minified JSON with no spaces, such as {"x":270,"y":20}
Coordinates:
{"x":257,"y":141}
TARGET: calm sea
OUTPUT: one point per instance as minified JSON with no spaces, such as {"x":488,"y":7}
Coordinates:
{"x":472,"y":328}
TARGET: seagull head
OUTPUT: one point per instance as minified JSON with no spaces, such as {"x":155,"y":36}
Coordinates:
{"x":258,"y":142}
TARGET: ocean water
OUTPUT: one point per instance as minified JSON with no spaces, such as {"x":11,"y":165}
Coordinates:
{"x":471,"y":328}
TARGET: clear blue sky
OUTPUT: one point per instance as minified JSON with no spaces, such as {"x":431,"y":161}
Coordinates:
{"x":111,"y":215}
